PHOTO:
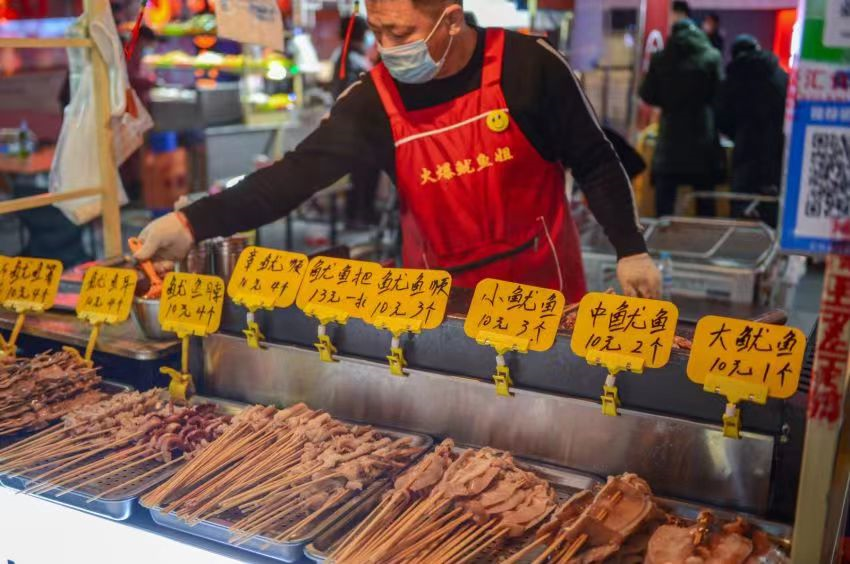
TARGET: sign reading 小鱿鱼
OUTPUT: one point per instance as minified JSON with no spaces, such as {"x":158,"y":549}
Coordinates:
{"x":339,"y":285}
{"x":191,"y":304}
{"x":756,"y":353}
{"x":31,"y":284}
{"x":518,"y":312}
{"x":626,"y":326}
{"x":408,"y":295}
{"x":267,"y":278}
{"x":106,"y":295}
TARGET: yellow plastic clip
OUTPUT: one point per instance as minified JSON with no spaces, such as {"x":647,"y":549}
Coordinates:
{"x":325,"y":346}
{"x":78,"y":357}
{"x":502,"y":378}
{"x":615,"y":363}
{"x":503,"y":345}
{"x":735,"y":391}
{"x":181,"y":386}
{"x":253,"y":333}
{"x":732,"y":422}
{"x":397,"y":361}
{"x":610,"y":397}
{"x":10,"y":347}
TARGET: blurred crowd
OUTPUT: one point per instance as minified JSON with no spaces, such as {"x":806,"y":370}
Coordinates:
{"x":699,"y":100}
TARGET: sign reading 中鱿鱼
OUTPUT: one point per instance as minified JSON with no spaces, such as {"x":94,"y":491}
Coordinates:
{"x":340,"y":285}
{"x":416,"y":296}
{"x":266,"y":278}
{"x":106,"y":295}
{"x":516,"y":311}
{"x":31,"y":284}
{"x":634,"y":327}
{"x":191,"y":304}
{"x":756,"y":353}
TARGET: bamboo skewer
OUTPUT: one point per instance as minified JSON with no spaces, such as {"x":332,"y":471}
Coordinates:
{"x":527,"y":549}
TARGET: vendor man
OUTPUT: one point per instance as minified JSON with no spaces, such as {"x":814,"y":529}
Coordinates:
{"x":476,"y":127}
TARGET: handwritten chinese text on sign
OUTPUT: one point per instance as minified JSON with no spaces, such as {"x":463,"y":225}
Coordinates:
{"x":516,"y":311}
{"x":626,"y":326}
{"x":419,"y":296}
{"x":106,"y":295}
{"x":31,"y":284}
{"x":267,"y":278}
{"x":191,"y":304}
{"x":769,"y":355}
{"x":339,"y":284}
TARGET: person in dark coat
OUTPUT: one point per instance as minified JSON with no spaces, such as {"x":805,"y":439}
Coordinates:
{"x":683,"y":80}
{"x":711,"y":27}
{"x":751,"y":111}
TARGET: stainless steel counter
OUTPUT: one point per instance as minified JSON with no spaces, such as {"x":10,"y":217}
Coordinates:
{"x":124,"y":340}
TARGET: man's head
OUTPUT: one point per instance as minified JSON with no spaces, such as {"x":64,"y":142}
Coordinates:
{"x":398,"y":22}
{"x":680,"y":11}
{"x":711,"y":23}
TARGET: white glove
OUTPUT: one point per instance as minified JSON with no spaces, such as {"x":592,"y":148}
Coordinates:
{"x":639,"y":276}
{"x":166,"y":239}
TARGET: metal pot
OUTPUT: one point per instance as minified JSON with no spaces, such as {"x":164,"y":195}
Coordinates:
{"x":226,"y":253}
{"x":146,"y":316}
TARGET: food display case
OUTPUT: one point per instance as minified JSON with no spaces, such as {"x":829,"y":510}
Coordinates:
{"x":668,"y":430}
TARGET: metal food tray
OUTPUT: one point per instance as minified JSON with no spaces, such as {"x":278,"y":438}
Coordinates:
{"x":565,"y":482}
{"x":218,"y":530}
{"x":119,"y":505}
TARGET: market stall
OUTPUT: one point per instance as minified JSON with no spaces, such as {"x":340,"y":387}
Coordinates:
{"x":543,"y":407}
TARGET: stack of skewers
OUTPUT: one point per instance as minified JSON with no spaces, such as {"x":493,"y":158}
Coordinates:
{"x":450,"y":508}
{"x":278,"y":474}
{"x":136,"y":437}
{"x":35,"y":392}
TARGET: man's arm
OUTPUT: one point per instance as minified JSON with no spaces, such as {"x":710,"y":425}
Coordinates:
{"x":581,"y":145}
{"x":343,"y":140}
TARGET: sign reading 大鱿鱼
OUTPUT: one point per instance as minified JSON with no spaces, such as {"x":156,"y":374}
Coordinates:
{"x":756,"y":353}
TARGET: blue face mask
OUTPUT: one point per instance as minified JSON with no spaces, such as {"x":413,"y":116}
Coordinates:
{"x":412,"y":63}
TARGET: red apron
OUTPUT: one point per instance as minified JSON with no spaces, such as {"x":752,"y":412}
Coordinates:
{"x":477,"y":198}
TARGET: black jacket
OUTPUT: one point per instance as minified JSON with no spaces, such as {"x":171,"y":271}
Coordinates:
{"x":751,"y":110}
{"x":683,"y":80}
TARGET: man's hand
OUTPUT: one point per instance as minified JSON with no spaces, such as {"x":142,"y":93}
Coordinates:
{"x":169,"y":238}
{"x":639,"y":276}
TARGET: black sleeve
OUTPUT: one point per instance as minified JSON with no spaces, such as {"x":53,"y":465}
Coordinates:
{"x":357,"y":132}
{"x":573,"y":129}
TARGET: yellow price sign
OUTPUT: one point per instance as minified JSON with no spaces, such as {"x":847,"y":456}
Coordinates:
{"x":31,"y":284}
{"x":266,"y":278}
{"x":191,"y":304}
{"x":625,"y":328}
{"x":516,"y":312}
{"x":754,"y":353}
{"x":106,"y":295}
{"x":416,"y":297}
{"x":339,"y":285}
{"x":5,"y":267}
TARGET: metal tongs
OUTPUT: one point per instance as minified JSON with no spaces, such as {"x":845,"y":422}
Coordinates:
{"x":155,"y":290}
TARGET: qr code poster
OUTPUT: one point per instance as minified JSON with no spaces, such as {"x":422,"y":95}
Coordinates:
{"x":825,"y":184}
{"x":836,"y":31}
{"x":816,"y":210}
